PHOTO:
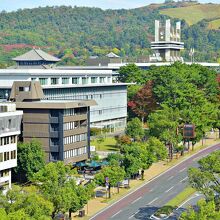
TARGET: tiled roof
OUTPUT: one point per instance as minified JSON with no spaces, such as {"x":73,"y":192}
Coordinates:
{"x":36,"y":55}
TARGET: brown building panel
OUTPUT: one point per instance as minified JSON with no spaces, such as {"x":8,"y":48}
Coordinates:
{"x":74,"y":118}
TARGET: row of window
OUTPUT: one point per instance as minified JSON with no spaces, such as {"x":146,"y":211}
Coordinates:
{"x":75,"y":138}
{"x":8,"y":140}
{"x":75,"y":152}
{"x":74,"y":111}
{"x":110,"y":111}
{"x":74,"y":124}
{"x":73,"y":80}
{"x":8,"y":156}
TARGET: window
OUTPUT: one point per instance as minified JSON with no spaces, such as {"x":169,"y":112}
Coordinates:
{"x":94,"y":79}
{"x":1,"y":157}
{"x":6,"y":156}
{"x":65,"y":80}
{"x":33,"y":79}
{"x":54,"y":81}
{"x":43,"y":81}
{"x":102,"y":80}
{"x":84,"y":80}
{"x":69,"y":112}
{"x":75,"y":80}
{"x":13,"y":154}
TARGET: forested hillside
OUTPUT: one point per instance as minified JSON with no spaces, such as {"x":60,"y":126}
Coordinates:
{"x":76,"y":33}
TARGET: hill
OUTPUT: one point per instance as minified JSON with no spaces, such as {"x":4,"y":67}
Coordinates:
{"x":192,"y":14}
{"x":75,"y":33}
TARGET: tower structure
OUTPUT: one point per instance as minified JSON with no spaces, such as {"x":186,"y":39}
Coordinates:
{"x":167,"y":44}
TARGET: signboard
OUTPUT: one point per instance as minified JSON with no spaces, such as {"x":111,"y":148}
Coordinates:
{"x":189,"y":131}
{"x":92,"y":148}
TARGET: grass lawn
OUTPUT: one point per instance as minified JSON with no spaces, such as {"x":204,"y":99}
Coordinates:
{"x":109,"y":144}
{"x":181,"y":197}
{"x":197,"y":12}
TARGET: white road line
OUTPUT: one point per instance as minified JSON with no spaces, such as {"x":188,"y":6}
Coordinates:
{"x":182,"y":170}
{"x":169,"y":189}
{"x":156,"y":177}
{"x":151,"y":190}
{"x":133,"y":215}
{"x":192,"y":197}
{"x":152,"y":201}
{"x":170,"y":178}
{"x":116,"y":213}
{"x":136,"y":200}
{"x":183,"y":179}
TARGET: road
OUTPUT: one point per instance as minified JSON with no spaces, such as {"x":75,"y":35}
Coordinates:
{"x":144,"y":201}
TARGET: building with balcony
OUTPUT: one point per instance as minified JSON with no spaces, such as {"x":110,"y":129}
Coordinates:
{"x":72,"y":83}
{"x":61,"y":126}
{"x":10,"y":122}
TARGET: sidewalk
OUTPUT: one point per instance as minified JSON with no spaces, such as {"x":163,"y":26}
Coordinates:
{"x":98,"y":204}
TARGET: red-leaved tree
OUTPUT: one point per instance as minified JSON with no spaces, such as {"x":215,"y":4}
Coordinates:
{"x":143,"y":102}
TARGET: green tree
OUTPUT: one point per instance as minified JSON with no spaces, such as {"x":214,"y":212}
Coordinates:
{"x":30,"y":159}
{"x":25,"y":205}
{"x":114,"y":173}
{"x":134,"y":129}
{"x":206,"y":177}
{"x":205,"y":211}
{"x":157,"y":149}
{"x":163,"y":124}
{"x":56,"y":183}
{"x":132,"y":73}
{"x":135,"y":157}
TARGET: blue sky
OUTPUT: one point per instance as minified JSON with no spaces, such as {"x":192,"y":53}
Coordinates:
{"x":11,"y":5}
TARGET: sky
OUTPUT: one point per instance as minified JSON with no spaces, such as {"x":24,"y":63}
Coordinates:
{"x":12,"y":5}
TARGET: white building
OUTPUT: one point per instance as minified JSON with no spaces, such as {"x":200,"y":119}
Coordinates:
{"x":77,"y":83}
{"x":10,"y":122}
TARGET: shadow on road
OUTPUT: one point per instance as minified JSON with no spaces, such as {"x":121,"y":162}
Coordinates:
{"x":144,"y":213}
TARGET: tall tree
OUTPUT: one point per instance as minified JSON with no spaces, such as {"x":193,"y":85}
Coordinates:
{"x":30,"y":159}
{"x":144,"y":102}
{"x":134,"y":129}
{"x":206,"y":177}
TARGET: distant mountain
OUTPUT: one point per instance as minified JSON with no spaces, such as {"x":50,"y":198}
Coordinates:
{"x":79,"y":32}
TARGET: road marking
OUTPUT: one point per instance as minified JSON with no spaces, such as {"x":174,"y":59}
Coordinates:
{"x":169,"y":189}
{"x":133,"y":215}
{"x":152,"y":201}
{"x":116,"y":213}
{"x":151,"y":190}
{"x":183,"y":179}
{"x":156,"y":177}
{"x":170,"y":178}
{"x":182,"y":170}
{"x":192,"y":197}
{"x":136,"y":200}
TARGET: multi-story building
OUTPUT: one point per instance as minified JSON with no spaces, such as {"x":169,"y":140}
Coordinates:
{"x":72,"y":83}
{"x":61,"y":126}
{"x":10,"y":122}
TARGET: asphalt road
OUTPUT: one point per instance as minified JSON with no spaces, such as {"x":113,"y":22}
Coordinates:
{"x":144,"y":201}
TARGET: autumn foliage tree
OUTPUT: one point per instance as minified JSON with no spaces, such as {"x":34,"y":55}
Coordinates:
{"x":143,"y":102}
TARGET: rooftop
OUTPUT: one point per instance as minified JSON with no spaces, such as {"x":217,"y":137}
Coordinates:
{"x":36,"y":55}
{"x":55,"y":104}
